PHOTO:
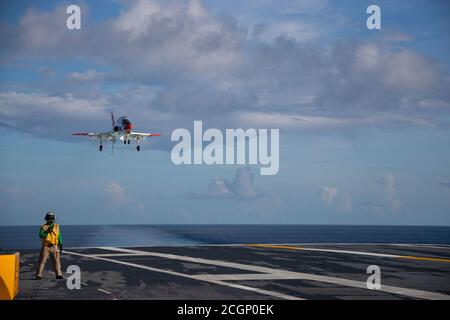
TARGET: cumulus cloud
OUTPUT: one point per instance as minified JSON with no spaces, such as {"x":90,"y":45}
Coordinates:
{"x":249,"y":199}
{"x":240,"y":188}
{"x":172,"y":37}
{"x":46,"y":115}
{"x":116,"y":193}
{"x":269,"y":32}
{"x":331,"y":197}
{"x":390,"y":191}
{"x":328,"y":195}
{"x":89,"y":75}
{"x":118,"y":198}
{"x":388,"y":201}
{"x":184,"y":60}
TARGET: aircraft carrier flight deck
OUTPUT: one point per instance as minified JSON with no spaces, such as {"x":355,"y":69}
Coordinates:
{"x":245,"y":272}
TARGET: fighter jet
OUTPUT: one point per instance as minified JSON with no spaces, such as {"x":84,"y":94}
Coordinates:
{"x":121,"y":130}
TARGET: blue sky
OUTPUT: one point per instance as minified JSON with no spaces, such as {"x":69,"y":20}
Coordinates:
{"x":363,"y":114}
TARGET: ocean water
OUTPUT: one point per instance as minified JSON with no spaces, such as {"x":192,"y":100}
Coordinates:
{"x":26,"y":237}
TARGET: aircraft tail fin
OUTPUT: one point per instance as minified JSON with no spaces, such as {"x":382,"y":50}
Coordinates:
{"x":112,"y":120}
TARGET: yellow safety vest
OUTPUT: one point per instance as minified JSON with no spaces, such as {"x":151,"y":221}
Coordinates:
{"x":52,"y":238}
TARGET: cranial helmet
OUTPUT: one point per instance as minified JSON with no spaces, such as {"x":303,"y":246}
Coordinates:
{"x":50,"y":216}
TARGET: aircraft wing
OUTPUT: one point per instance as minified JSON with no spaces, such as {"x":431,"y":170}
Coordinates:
{"x":139,"y":135}
{"x":98,"y":135}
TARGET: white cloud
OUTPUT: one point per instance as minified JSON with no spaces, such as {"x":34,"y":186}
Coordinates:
{"x":240,"y":188}
{"x":397,"y":36}
{"x":434,"y":103}
{"x":388,"y":201}
{"x":137,"y":18}
{"x":218,"y":188}
{"x":46,"y":115}
{"x":328,"y":195}
{"x":118,"y":199}
{"x":331,"y":196}
{"x":89,"y":75}
{"x":297,"y":121}
{"x":408,"y":71}
{"x":205,"y":64}
{"x":115,"y":193}
{"x":248,"y":198}
{"x":295,"y":30}
{"x":180,"y":39}
{"x":169,"y":38}
{"x":390,"y":191}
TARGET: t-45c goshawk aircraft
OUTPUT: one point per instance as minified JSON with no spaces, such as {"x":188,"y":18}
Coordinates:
{"x":121,"y":129}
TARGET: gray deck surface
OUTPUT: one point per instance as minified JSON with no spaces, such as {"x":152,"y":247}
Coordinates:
{"x":335,"y":271}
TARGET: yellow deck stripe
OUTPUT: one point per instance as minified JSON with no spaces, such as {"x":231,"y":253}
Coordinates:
{"x":425,"y":258}
{"x":297,"y":248}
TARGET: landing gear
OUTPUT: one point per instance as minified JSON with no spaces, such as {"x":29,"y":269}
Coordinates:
{"x":129,"y":141}
{"x":138,"y":148}
{"x":100,"y":147}
{"x":112,"y":146}
{"x":124,"y":141}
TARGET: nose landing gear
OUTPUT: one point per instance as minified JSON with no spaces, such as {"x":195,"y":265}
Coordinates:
{"x":138,"y":148}
{"x":100,"y":147}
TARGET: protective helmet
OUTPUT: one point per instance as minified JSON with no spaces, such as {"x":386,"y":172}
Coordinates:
{"x":50,"y":216}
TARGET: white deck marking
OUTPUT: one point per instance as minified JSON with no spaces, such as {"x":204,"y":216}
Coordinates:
{"x":260,"y":291}
{"x":288,"y":275}
{"x":107,"y":292}
{"x":114,"y":254}
{"x":270,"y":273}
{"x":249,"y":276}
{"x":129,"y":252}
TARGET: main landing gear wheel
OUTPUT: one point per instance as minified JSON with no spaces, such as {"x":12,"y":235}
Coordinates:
{"x":129,"y":141}
{"x":100,"y":148}
{"x":124,"y":141}
{"x":138,"y":148}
